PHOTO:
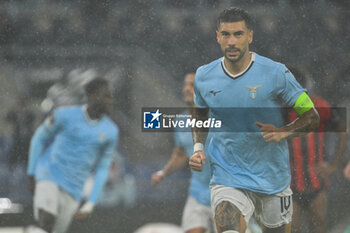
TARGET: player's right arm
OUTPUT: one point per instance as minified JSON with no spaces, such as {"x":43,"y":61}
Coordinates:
{"x":199,"y":135}
{"x":45,"y":132}
{"x":176,"y":162}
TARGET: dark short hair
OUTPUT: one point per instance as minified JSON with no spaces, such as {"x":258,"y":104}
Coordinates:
{"x":94,"y":85}
{"x":234,"y":14}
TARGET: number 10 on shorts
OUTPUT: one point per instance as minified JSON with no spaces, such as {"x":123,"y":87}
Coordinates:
{"x":285,"y":204}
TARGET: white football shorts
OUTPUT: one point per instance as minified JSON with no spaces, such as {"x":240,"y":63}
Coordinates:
{"x":271,"y":210}
{"x":52,"y":199}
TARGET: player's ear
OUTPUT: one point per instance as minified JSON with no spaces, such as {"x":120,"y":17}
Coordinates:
{"x":250,"y":36}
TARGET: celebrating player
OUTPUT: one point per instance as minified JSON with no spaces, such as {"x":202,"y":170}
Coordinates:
{"x":249,"y":159}
{"x":71,"y":144}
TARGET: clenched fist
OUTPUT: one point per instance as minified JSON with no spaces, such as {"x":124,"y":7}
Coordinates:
{"x":197,"y":160}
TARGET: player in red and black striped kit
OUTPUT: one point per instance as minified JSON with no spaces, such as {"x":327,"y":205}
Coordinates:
{"x":309,"y":170}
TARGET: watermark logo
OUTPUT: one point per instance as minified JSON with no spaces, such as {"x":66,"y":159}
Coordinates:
{"x":169,"y":119}
{"x":152,"y":120}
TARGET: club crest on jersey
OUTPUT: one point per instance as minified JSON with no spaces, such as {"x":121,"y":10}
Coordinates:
{"x":252,"y":90}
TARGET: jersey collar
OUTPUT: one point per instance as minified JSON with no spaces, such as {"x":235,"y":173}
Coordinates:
{"x":234,"y":76}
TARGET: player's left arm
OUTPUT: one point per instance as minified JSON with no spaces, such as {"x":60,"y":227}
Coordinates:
{"x":307,"y":121}
{"x":294,"y":95}
{"x":100,"y":177}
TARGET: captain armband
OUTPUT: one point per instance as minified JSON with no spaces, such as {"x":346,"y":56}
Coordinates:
{"x":303,"y":104}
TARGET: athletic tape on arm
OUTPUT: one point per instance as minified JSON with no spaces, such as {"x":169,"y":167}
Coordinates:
{"x":303,"y":104}
{"x":198,"y":147}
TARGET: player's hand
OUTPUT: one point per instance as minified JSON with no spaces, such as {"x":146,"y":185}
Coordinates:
{"x":31,"y":184}
{"x":347,"y":171}
{"x":84,"y":211}
{"x":197,"y":160}
{"x":270,"y":133}
{"x":157,"y":177}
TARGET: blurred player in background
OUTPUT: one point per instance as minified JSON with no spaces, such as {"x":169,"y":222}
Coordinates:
{"x":197,"y":216}
{"x":22,"y":119}
{"x":249,"y":160}
{"x":309,"y":168}
{"x":78,"y":140}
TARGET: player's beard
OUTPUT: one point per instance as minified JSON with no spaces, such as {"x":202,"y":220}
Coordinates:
{"x":234,"y":60}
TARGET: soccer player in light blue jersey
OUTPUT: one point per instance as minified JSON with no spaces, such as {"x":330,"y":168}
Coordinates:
{"x":197,"y":216}
{"x":249,"y":157}
{"x":73,"y":143}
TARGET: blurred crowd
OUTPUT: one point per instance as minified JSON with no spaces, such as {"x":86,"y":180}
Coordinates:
{"x":49,"y":49}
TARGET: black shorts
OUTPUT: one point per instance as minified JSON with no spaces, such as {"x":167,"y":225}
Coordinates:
{"x":305,"y":198}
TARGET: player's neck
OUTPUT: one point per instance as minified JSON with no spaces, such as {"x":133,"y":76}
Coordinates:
{"x":239,"y":66}
{"x":93,"y":114}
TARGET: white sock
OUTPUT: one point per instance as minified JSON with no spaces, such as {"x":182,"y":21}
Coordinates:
{"x":230,"y":231}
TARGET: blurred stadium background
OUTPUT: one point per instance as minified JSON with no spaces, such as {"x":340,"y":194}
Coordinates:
{"x":49,"y":48}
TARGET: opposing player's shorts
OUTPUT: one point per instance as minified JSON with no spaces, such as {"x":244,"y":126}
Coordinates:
{"x":196,"y":215}
{"x":50,"y":198}
{"x":304,"y":199}
{"x":271,"y":210}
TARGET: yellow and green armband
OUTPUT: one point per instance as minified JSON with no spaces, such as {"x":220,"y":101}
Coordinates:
{"x":303,"y":104}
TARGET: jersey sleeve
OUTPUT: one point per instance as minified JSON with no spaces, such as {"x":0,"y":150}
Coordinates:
{"x":197,"y":97}
{"x":287,"y":86}
{"x":45,"y":132}
{"x":111,"y":147}
{"x":56,"y":121}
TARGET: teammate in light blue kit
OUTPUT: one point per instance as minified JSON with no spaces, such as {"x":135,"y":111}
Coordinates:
{"x":250,"y":159}
{"x":197,"y":216}
{"x":72,"y":143}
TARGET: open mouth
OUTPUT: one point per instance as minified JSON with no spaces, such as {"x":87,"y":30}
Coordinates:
{"x":232,"y":52}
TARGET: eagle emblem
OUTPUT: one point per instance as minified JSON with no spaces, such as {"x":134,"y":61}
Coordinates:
{"x":252,"y":90}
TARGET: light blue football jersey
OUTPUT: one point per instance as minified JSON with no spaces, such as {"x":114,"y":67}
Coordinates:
{"x":79,"y":147}
{"x":199,"y":184}
{"x":240,"y":156}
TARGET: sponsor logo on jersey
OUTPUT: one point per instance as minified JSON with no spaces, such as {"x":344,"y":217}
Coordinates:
{"x":214,"y":92}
